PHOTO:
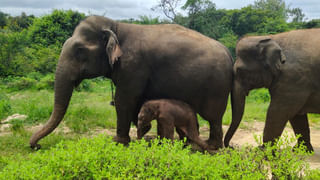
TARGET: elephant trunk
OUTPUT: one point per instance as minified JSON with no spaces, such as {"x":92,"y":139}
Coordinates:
{"x":63,"y":88}
{"x":238,"y":98}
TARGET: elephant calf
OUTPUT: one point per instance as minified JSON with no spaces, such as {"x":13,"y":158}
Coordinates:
{"x":170,"y":114}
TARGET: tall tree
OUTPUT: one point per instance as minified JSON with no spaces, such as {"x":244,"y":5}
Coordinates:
{"x":202,"y":16}
{"x":277,"y":7}
{"x":3,"y":19}
{"x":297,"y":15}
{"x":196,"y":6}
{"x":168,"y":7}
{"x":18,"y":23}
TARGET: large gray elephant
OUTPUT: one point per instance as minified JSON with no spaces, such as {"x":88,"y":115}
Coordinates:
{"x":144,"y":62}
{"x":288,"y":64}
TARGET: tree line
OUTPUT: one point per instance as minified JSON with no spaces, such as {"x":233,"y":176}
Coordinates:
{"x":32,"y":44}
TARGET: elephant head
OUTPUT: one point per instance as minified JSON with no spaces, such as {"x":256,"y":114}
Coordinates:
{"x":146,"y":115}
{"x":92,"y":51}
{"x":258,"y":64}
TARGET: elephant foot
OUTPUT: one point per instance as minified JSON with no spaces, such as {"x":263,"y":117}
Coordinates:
{"x":35,"y":146}
{"x":309,"y":147}
{"x":122,"y":140}
{"x":214,"y":145}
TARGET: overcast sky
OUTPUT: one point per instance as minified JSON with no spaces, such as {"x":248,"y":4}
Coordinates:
{"x":125,"y":9}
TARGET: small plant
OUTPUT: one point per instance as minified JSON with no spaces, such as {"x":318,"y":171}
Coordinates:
{"x":47,"y":82}
{"x":284,"y":161}
{"x":85,"y":85}
{"x":77,"y":119}
{"x":17,"y":126}
{"x":3,"y":162}
{"x":5,"y":106}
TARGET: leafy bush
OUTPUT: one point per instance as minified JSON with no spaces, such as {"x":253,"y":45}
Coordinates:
{"x":54,"y":28}
{"x":101,"y":158}
{"x":12,"y":44}
{"x":259,"y":95}
{"x":313,"y":174}
{"x":33,"y":80}
{"x":39,"y":58}
{"x":77,"y":119}
{"x":21,"y":83}
{"x":17,"y":125}
{"x":47,"y":82}
{"x":5,"y":106}
{"x":36,"y":111}
{"x":85,"y":85}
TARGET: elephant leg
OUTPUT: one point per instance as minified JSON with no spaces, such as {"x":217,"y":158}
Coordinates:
{"x":300,"y":126}
{"x":128,"y":101}
{"x":198,"y":141}
{"x":127,"y":108}
{"x":181,"y":134}
{"x":213,"y":113}
{"x":123,"y":124}
{"x":166,"y":128}
{"x":281,"y":109}
{"x":144,"y":130}
{"x":193,"y":135}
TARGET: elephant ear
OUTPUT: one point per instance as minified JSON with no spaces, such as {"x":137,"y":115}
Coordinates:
{"x":271,"y":53}
{"x":113,"y":49}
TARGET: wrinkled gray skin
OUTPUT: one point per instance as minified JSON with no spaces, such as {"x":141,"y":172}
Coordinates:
{"x":288,"y":64}
{"x":170,"y":114}
{"x":144,"y":62}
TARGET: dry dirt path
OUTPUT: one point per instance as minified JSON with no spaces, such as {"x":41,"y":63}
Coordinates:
{"x":246,"y":136}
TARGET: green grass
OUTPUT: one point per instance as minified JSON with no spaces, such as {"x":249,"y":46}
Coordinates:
{"x":89,"y":109}
{"x":18,"y":143}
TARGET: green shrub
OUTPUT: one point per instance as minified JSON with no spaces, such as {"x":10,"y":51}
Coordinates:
{"x":12,"y":45}
{"x":3,"y":162}
{"x":85,"y":85}
{"x":101,"y":158}
{"x":36,"y":110}
{"x":54,"y":28}
{"x":21,"y":83}
{"x":17,"y":126}
{"x":5,"y":106}
{"x":47,"y":82}
{"x":78,"y":119}
{"x":313,"y":174}
{"x":259,"y":95}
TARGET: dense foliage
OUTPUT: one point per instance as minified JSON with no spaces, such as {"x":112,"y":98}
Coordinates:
{"x":101,"y":158}
{"x":32,"y":44}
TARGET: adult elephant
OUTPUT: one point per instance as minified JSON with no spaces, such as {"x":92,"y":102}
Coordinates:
{"x":288,"y":64}
{"x":144,"y":62}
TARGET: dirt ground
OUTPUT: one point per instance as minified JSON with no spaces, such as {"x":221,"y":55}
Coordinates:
{"x":243,"y":136}
{"x":246,"y":136}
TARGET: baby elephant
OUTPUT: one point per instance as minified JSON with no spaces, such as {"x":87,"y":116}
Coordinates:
{"x":169,"y":114}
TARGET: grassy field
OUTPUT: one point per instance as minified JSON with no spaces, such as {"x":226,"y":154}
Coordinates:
{"x":89,"y":109}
